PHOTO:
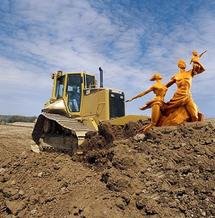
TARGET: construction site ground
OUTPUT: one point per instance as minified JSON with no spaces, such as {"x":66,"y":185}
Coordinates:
{"x":170,"y":172}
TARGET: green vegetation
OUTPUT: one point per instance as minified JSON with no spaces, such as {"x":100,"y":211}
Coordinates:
{"x":16,"y":118}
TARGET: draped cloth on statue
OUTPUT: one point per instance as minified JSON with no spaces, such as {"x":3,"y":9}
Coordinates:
{"x":150,"y":104}
{"x":181,"y":107}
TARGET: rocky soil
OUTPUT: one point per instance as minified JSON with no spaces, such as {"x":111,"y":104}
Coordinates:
{"x":169,"y":172}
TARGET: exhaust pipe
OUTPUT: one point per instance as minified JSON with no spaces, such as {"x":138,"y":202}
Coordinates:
{"x":101,"y":77}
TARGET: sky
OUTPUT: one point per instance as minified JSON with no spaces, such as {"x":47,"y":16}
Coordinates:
{"x":129,"y":39}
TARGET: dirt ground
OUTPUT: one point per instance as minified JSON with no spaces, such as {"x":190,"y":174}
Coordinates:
{"x":170,"y":172}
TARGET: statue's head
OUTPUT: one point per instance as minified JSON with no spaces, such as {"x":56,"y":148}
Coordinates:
{"x":181,"y":64}
{"x":156,"y":76}
{"x":194,"y":52}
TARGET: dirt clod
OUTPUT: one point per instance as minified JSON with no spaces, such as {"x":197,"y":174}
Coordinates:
{"x":14,"y":207}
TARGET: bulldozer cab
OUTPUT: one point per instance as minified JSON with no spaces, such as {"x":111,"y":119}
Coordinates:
{"x":76,"y":86}
{"x":71,"y":86}
{"x":77,"y":95}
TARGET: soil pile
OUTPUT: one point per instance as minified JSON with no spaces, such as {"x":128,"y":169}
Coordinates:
{"x":169,"y":172}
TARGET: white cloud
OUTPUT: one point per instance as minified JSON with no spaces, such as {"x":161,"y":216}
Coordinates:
{"x":75,"y":36}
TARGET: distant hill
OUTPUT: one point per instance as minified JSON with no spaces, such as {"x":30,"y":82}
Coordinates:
{"x":16,"y":118}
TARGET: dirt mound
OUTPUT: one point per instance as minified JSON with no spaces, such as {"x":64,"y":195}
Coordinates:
{"x":96,"y":147}
{"x":170,"y":172}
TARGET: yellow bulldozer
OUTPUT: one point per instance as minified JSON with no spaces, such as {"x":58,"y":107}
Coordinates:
{"x":77,"y":106}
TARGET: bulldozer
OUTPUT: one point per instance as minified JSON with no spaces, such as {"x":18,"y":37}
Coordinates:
{"x":77,"y":106}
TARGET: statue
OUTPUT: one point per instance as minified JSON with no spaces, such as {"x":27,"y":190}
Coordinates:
{"x":181,"y":107}
{"x":160,"y":90}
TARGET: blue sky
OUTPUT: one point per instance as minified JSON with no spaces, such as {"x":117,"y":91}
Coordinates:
{"x":129,"y":39}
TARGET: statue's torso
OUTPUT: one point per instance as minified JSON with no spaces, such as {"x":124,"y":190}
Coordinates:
{"x":159,"y":90}
{"x":195,"y":59}
{"x":183,"y":81}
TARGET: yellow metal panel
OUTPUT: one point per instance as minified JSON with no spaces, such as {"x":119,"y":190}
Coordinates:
{"x":128,"y":118}
{"x":96,"y":104}
{"x":53,"y":97}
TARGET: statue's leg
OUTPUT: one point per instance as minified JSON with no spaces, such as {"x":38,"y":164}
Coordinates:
{"x":192,"y":110}
{"x":154,"y":117}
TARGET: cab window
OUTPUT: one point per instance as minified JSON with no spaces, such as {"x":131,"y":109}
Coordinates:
{"x":60,"y":87}
{"x":90,"y":82}
{"x":74,"y":92}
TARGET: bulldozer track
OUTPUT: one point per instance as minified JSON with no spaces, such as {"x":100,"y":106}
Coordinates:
{"x":70,"y":123}
{"x":66,"y":122}
{"x":67,"y":140}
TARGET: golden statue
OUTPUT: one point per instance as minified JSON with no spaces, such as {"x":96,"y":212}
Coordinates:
{"x":157,"y":103}
{"x":181,"y":107}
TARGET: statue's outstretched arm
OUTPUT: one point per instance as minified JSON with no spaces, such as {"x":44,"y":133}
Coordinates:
{"x":141,"y":94}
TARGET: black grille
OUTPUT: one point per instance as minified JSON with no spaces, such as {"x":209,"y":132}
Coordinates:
{"x":117,"y":104}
